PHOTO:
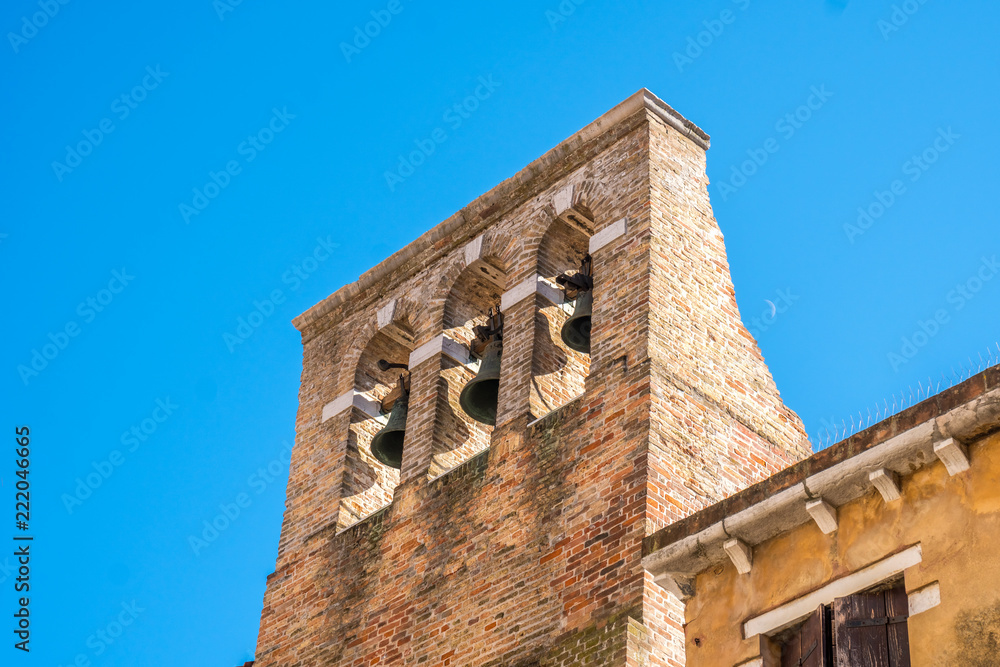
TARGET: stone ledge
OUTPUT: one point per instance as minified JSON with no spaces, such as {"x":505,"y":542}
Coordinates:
{"x":474,"y":466}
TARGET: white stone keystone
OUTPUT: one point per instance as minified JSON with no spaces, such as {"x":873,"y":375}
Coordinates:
{"x":473,"y":250}
{"x":824,"y":514}
{"x":563,"y":199}
{"x":386,"y":313}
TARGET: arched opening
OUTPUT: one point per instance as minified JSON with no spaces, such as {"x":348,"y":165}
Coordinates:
{"x":368,"y":484}
{"x":457,"y":436}
{"x":558,"y":373}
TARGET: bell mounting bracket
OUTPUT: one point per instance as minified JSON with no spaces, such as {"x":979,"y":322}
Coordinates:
{"x":487,"y":333}
{"x":581,"y":281}
{"x":401,"y":389}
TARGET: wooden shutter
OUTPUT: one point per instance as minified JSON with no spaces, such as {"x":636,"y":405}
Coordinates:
{"x":810,"y":646}
{"x":871,"y":629}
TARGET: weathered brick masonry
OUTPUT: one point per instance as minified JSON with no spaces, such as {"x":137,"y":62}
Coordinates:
{"x":520,"y":544}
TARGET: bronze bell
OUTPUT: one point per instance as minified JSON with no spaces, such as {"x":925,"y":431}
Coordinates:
{"x":576,"y":330}
{"x":579,"y":286}
{"x":479,"y":397}
{"x":387,"y":444}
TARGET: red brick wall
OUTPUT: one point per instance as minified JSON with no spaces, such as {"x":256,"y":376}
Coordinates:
{"x":529,"y":552}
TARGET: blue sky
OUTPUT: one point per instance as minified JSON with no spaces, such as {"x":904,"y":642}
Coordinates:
{"x":278,"y":140}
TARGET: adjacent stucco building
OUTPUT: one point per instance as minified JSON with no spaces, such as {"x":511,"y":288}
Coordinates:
{"x":911,"y":504}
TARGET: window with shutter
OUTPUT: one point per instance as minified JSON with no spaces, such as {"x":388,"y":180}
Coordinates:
{"x":810,"y":644}
{"x":870,"y":629}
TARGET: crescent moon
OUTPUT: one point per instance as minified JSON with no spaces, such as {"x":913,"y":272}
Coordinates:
{"x":773,"y":309}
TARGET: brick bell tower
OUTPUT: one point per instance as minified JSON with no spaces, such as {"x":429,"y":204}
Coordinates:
{"x":519,"y":543}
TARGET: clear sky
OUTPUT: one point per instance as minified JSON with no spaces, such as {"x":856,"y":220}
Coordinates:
{"x":170,"y":169}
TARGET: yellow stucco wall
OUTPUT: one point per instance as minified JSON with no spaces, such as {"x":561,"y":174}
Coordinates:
{"x":955,"y":519}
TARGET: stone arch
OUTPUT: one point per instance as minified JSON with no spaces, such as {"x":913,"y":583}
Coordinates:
{"x":493,"y":254}
{"x":501,"y":249}
{"x":397,"y":318}
{"x":596,"y":200}
{"x":471,"y":285}
{"x":367,"y":484}
{"x":558,"y":373}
